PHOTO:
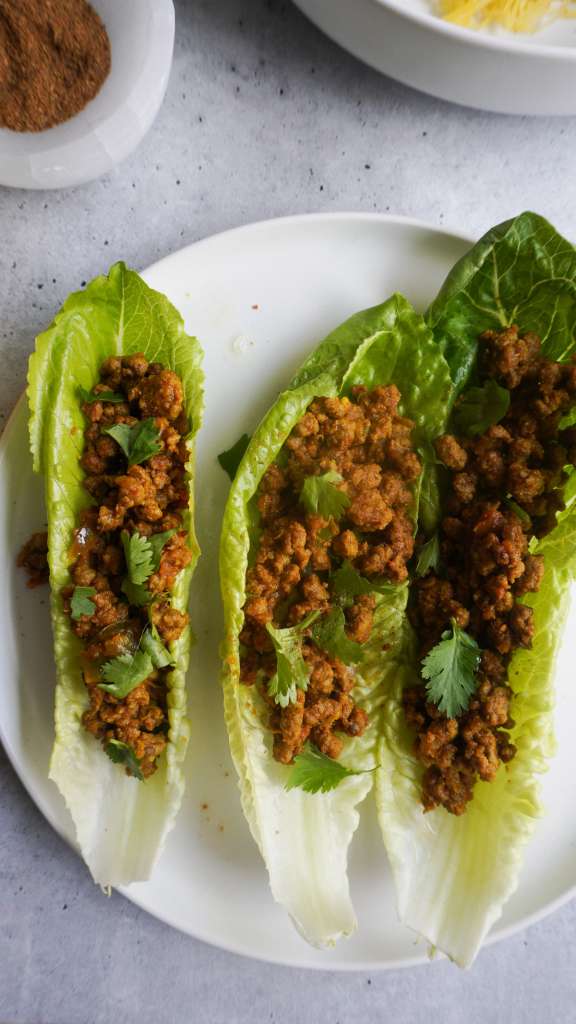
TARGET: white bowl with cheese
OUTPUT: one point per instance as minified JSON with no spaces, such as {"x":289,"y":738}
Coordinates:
{"x":500,"y":71}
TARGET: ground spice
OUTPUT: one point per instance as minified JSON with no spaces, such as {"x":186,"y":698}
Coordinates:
{"x":54,"y":58}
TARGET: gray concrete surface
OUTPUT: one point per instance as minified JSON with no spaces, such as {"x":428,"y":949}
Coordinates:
{"x":263,"y":117}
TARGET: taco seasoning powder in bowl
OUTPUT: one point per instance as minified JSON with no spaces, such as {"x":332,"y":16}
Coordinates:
{"x":80,"y":85}
{"x":54,"y":58}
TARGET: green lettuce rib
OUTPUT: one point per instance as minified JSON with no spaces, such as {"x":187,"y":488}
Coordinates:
{"x":453,"y":875}
{"x":304,"y":838}
{"x":120,"y":823}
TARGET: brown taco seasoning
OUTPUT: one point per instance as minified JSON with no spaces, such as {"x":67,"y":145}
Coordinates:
{"x":54,"y":58}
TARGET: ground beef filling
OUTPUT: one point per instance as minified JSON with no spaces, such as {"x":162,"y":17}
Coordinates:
{"x":33,"y":558}
{"x":367,"y":442}
{"x":148,"y":498}
{"x":504,"y":487}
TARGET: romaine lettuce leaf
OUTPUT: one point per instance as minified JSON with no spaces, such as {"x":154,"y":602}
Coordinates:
{"x":304,"y":838}
{"x":120,"y":823}
{"x":520,"y":272}
{"x":453,"y":875}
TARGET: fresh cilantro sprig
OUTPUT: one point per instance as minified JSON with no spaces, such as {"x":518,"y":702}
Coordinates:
{"x":480,"y":408}
{"x":347,"y":583}
{"x":137,"y":594}
{"x":81,"y":602}
{"x":124,"y":673}
{"x":316,"y":773}
{"x":450,"y":670}
{"x":429,"y":556}
{"x":142,"y":556}
{"x":330,"y":635}
{"x":231,"y":459}
{"x":122,"y":753}
{"x":139,"y":442}
{"x":100,"y":396}
{"x":157,"y":542}
{"x":320,"y":496}
{"x":138,"y":555}
{"x":291,"y":670}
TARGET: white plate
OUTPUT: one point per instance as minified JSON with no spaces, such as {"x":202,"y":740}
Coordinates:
{"x":304,"y":275}
{"x":112,"y":125}
{"x":505,"y":72}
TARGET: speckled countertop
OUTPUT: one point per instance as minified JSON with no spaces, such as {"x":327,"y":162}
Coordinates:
{"x":263,"y":117}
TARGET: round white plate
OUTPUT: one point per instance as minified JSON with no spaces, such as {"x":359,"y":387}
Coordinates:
{"x":259,"y":298}
{"x":504,"y":71}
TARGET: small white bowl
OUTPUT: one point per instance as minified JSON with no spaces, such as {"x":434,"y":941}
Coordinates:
{"x":108,"y":129}
{"x":510,"y":74}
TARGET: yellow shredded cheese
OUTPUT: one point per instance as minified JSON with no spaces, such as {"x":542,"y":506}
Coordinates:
{"x":514,"y":15}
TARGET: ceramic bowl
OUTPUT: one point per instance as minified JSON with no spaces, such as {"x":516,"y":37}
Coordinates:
{"x":507,"y":73}
{"x":116,"y":120}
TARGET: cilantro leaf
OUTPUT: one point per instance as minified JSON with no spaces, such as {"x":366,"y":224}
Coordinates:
{"x":101,"y":396}
{"x":429,"y":556}
{"x":518,"y":511}
{"x":329,"y":634}
{"x":316,"y":773}
{"x":291,"y":669}
{"x":319,"y":495}
{"x":81,"y":603}
{"x":480,"y":408}
{"x":122,"y":753}
{"x":157,"y":543}
{"x":138,"y":555}
{"x":568,"y":419}
{"x":142,"y":559}
{"x":346,"y":582}
{"x":125,"y":672}
{"x":139,"y":442}
{"x":137,"y":593}
{"x":325,"y":533}
{"x":450,"y":668}
{"x":152,"y":644}
{"x":231,"y":459}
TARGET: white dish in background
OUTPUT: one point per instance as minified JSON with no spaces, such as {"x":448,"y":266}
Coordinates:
{"x":113,"y":123}
{"x":504,"y":72}
{"x":259,"y":298}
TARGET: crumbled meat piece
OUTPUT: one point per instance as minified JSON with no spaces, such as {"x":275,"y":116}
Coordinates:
{"x":169,"y":622}
{"x":360,"y":618}
{"x":158,"y":393}
{"x":33,"y":558}
{"x":176,"y":555}
{"x":451,"y":787}
{"x":508,"y":356}
{"x":450,"y":452}
{"x":531,"y":579}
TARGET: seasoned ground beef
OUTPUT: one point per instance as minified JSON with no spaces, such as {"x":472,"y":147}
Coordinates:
{"x":504,"y":486}
{"x":147,"y":499}
{"x":33,"y":558}
{"x":366,"y":442}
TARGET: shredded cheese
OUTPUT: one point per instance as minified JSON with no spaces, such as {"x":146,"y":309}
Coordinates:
{"x":513,"y":15}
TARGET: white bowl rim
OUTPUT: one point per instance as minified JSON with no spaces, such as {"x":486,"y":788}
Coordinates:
{"x":478,"y":38}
